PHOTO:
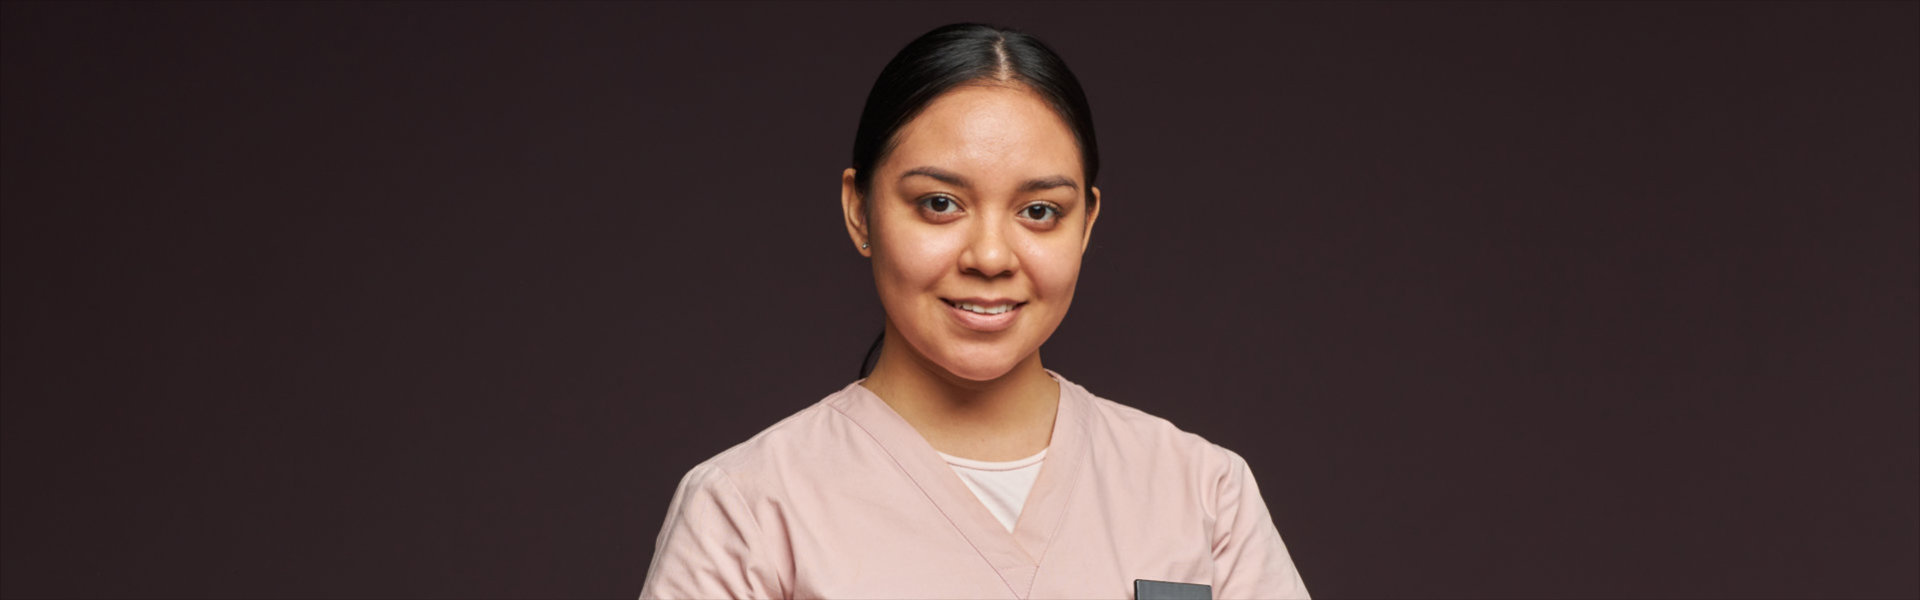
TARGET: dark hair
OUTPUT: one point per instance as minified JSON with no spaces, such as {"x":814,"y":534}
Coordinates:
{"x":951,"y":56}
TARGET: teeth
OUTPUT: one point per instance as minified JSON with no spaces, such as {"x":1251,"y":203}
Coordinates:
{"x":975,"y":308}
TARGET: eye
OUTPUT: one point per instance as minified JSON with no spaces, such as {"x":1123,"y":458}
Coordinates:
{"x":1040,"y":212}
{"x":939,"y":205}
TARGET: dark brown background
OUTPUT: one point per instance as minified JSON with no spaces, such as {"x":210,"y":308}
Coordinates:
{"x":1517,"y":300}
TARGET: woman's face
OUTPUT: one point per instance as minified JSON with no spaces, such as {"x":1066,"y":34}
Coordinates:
{"x":978,"y":221}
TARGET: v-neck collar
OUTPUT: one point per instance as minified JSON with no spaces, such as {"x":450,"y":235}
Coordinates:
{"x":1016,"y":556}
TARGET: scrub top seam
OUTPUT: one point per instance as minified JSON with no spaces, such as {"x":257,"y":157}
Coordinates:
{"x":958,"y":530}
{"x":1073,"y":487}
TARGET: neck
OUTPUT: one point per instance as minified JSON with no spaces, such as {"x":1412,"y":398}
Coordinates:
{"x":1005,"y":418}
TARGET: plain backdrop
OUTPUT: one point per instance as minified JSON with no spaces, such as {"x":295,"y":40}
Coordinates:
{"x":440,"y":300}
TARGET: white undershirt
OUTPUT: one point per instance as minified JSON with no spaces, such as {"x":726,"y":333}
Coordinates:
{"x":1002,"y":486}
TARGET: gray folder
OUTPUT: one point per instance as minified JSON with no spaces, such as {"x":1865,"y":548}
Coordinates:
{"x":1148,"y":589}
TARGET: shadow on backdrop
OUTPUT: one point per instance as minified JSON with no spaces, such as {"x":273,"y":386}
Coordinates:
{"x":349,"y":300}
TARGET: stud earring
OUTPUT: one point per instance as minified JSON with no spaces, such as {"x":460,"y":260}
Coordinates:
{"x":863,"y":245}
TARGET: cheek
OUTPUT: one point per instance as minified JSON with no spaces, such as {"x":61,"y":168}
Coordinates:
{"x":912,"y":262}
{"x":1054,"y":271}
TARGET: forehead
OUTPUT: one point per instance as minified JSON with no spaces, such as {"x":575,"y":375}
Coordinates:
{"x":989,"y":131}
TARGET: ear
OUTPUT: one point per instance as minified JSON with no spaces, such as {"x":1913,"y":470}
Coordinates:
{"x":855,"y":211}
{"x":1093,"y":214}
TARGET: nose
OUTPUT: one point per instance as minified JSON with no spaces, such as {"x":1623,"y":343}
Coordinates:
{"x":987,"y":252}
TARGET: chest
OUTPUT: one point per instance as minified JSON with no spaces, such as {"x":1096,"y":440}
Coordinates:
{"x":899,"y":539}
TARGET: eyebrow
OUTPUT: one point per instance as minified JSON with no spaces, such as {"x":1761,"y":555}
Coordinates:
{"x":951,"y":178}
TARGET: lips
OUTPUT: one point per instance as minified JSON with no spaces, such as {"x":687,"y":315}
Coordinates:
{"x":983,"y":314}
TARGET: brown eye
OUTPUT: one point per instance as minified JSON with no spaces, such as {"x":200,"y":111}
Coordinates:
{"x":939,"y":204}
{"x":1041,"y":212}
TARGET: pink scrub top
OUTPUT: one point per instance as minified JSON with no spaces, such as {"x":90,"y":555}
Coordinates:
{"x":844,"y":499}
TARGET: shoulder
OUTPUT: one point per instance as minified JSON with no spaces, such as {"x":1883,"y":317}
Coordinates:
{"x":1139,"y":437}
{"x":791,"y":449}
{"x":1144,"y":453}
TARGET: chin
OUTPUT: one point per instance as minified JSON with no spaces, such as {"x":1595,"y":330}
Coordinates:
{"x":973,"y":372}
{"x":984,"y":365}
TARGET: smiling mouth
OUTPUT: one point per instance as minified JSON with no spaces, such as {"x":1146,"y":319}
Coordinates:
{"x":984,"y":309}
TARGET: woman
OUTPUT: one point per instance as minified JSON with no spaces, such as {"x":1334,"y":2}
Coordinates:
{"x":960,"y":467}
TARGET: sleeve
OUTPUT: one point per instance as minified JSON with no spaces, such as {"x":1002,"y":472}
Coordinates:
{"x":711,"y":545}
{"x":1249,"y":559}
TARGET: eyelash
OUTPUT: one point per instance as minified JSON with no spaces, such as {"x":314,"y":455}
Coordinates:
{"x":1054,"y":211}
{"x":951,"y":203}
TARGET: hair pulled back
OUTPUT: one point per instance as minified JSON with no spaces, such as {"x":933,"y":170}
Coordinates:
{"x":959,"y":54}
{"x":951,"y":56}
